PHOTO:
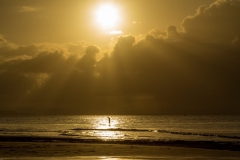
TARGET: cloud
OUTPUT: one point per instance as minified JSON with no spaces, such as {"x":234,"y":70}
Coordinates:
{"x":217,"y":23}
{"x":157,"y":33}
{"x":5,"y":44}
{"x":88,"y":61}
{"x":28,"y":9}
{"x":136,"y":22}
{"x":114,"y":32}
{"x":195,"y":71}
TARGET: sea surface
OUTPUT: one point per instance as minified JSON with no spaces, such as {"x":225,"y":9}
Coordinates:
{"x":145,"y":129}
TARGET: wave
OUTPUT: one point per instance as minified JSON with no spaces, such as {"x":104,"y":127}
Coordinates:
{"x":112,"y":129}
{"x":25,"y":130}
{"x":159,"y":131}
{"x":199,"y":134}
{"x":234,"y":146}
{"x":64,"y":132}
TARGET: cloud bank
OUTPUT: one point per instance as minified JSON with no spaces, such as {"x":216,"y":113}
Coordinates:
{"x":194,"y":71}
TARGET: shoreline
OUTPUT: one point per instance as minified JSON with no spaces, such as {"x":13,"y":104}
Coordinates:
{"x":88,"y":150}
{"x":230,"y":146}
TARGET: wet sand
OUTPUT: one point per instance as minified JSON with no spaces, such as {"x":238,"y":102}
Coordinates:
{"x":63,"y":150}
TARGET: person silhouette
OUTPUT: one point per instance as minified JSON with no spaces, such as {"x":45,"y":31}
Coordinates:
{"x":109,"y":121}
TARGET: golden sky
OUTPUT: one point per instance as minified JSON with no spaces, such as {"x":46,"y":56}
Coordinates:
{"x":120,"y":56}
{"x":61,"y":21}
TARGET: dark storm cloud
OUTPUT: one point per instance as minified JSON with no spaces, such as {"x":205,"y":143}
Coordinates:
{"x":164,"y":72}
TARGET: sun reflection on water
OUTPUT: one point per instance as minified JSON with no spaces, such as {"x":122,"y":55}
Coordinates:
{"x":106,"y":123}
{"x":107,"y":129}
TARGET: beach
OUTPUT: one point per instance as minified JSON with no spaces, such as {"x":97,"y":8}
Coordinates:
{"x":128,"y":137}
{"x":62,"y":150}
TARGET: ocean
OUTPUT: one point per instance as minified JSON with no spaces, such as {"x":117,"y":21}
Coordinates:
{"x":210,"y":131}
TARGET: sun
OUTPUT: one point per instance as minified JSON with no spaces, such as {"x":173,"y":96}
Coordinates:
{"x":107,"y":16}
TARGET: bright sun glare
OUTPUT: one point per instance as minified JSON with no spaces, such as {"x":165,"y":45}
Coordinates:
{"x":107,"y":16}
